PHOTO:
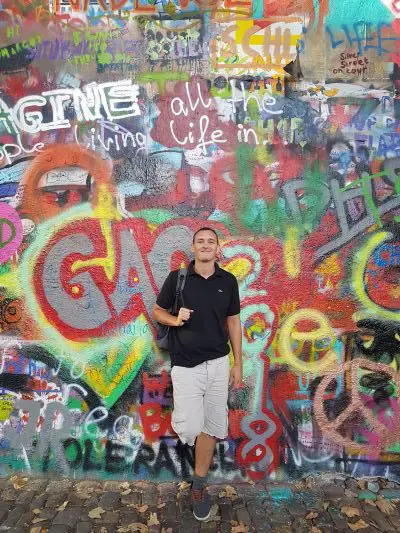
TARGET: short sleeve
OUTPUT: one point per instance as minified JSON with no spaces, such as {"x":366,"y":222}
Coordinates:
{"x":234,"y":306}
{"x":167,"y":294}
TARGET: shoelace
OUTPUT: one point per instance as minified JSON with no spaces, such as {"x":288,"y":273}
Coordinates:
{"x":197,"y":494}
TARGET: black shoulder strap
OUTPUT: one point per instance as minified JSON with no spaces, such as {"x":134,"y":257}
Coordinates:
{"x":180,"y":284}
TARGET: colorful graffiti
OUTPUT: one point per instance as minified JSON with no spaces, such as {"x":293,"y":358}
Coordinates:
{"x":124,"y":125}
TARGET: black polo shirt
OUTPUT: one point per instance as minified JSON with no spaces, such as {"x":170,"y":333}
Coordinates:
{"x":204,"y":336}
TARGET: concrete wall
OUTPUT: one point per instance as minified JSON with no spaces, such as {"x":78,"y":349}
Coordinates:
{"x":126,"y":125}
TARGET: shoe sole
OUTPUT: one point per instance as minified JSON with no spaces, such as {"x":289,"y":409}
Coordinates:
{"x":202,"y":519}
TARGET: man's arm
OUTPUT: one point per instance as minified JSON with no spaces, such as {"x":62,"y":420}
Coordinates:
{"x":235,"y":336}
{"x":162,"y":316}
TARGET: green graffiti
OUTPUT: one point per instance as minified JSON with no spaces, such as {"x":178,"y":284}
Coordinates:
{"x":272,"y":218}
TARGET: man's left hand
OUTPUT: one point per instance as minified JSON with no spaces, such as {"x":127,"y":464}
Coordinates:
{"x":235,"y":379}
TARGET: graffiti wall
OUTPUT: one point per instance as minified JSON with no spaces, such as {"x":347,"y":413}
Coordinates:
{"x":127,"y":124}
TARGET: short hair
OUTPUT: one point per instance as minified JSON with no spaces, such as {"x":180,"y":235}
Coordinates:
{"x":205,"y":228}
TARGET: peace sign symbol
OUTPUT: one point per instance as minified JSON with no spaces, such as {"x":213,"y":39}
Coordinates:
{"x":385,"y":435}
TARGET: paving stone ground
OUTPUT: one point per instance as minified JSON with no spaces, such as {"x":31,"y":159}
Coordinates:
{"x":316,"y":504}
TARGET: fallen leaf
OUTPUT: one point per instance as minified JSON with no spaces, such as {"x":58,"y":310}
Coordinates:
{"x":361,"y":483}
{"x":35,"y":530}
{"x":37,"y":520}
{"x":315,"y":530}
{"x":96,"y":512}
{"x":251,"y":482}
{"x":103,"y":530}
{"x":360,"y":524}
{"x":153,"y":520}
{"x":370,"y":502}
{"x":125,"y":492}
{"x":124,"y":485}
{"x":161,"y":505}
{"x":350,"y":511}
{"x":326,"y":505}
{"x":19,"y":482}
{"x":183,"y":485}
{"x":36,"y":511}
{"x":240,"y":528}
{"x":228,"y":492}
{"x":133,"y":528}
{"x":385,"y":506}
{"x":62,"y":507}
{"x":213,"y":514}
{"x":142,"y":508}
{"x":311,"y":515}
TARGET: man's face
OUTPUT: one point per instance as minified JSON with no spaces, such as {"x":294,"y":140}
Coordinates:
{"x":205,"y":246}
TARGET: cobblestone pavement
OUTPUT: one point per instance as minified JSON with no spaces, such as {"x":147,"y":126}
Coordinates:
{"x":322,"y":504}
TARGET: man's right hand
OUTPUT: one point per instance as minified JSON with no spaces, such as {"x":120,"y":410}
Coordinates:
{"x":183,"y":316}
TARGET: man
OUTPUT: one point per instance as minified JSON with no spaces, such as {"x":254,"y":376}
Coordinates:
{"x":198,"y":344}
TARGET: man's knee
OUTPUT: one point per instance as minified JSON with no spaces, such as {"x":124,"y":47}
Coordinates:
{"x":187,"y":430}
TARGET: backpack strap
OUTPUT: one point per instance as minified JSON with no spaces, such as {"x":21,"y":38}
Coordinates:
{"x":180,"y":284}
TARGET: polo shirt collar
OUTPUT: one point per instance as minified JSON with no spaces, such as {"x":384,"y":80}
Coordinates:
{"x":192,"y":272}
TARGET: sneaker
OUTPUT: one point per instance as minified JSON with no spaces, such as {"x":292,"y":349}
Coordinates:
{"x":201,"y":504}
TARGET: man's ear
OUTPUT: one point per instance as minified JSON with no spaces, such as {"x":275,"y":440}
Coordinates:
{"x":192,"y":248}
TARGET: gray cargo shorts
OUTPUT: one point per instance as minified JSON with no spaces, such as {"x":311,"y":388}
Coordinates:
{"x":201,"y":400}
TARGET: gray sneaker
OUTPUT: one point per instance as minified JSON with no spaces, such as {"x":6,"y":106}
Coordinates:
{"x":201,"y":504}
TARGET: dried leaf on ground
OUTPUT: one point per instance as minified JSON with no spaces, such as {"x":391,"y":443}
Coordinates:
{"x":350,"y":511}
{"x":124,"y":485}
{"x":103,"y":530}
{"x":142,"y":508}
{"x":362,"y":483}
{"x":326,"y":505}
{"x":315,"y":530}
{"x":213,"y":514}
{"x":125,"y":492}
{"x":385,"y":506}
{"x":38,"y":520}
{"x":161,"y":505}
{"x":19,"y":482}
{"x":136,"y":527}
{"x":183,"y":485}
{"x":370,"y":502}
{"x":36,"y":511}
{"x":96,"y":512}
{"x":228,"y":492}
{"x":311,"y":515}
{"x":63,"y":506}
{"x":240,"y":528}
{"x":251,"y":482}
{"x":153,"y":520}
{"x":35,"y":530}
{"x":360,"y":524}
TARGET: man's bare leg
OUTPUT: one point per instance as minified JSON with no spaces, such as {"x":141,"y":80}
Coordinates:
{"x":204,"y":453}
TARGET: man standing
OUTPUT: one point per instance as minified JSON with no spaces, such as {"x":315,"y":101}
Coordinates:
{"x":198,"y":345}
